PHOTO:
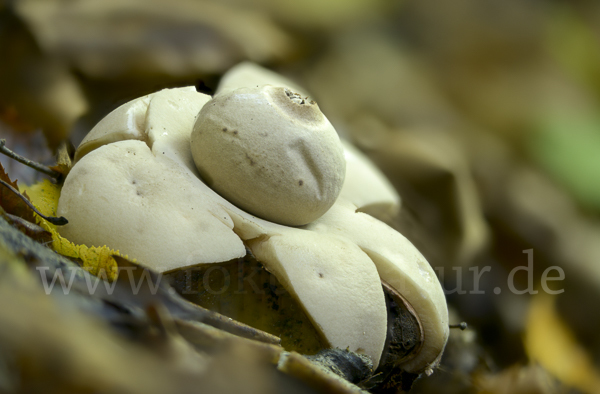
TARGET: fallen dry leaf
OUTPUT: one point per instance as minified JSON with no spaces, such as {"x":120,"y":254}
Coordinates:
{"x":549,"y":341}
{"x":39,"y":88}
{"x":530,"y":379}
{"x":139,"y":39}
{"x":64,"y":159}
{"x":11,"y":202}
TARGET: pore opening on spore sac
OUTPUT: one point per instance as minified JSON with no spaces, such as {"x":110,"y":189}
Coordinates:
{"x":295,"y":97}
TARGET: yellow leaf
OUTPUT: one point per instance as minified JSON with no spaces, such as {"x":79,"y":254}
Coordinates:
{"x":549,"y":341}
{"x":96,"y":260}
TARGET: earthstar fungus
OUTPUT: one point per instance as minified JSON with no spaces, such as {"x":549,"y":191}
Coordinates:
{"x":135,"y":187}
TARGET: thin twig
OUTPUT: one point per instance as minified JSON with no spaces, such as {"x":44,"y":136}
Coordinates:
{"x":30,"y":163}
{"x":60,"y":221}
{"x":463,"y":326}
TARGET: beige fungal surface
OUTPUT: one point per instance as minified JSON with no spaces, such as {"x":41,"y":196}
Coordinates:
{"x":124,"y":123}
{"x":125,"y":196}
{"x":270,"y":152}
{"x":135,"y":187}
{"x":366,"y":187}
{"x":251,"y":75}
{"x":400,"y":265}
